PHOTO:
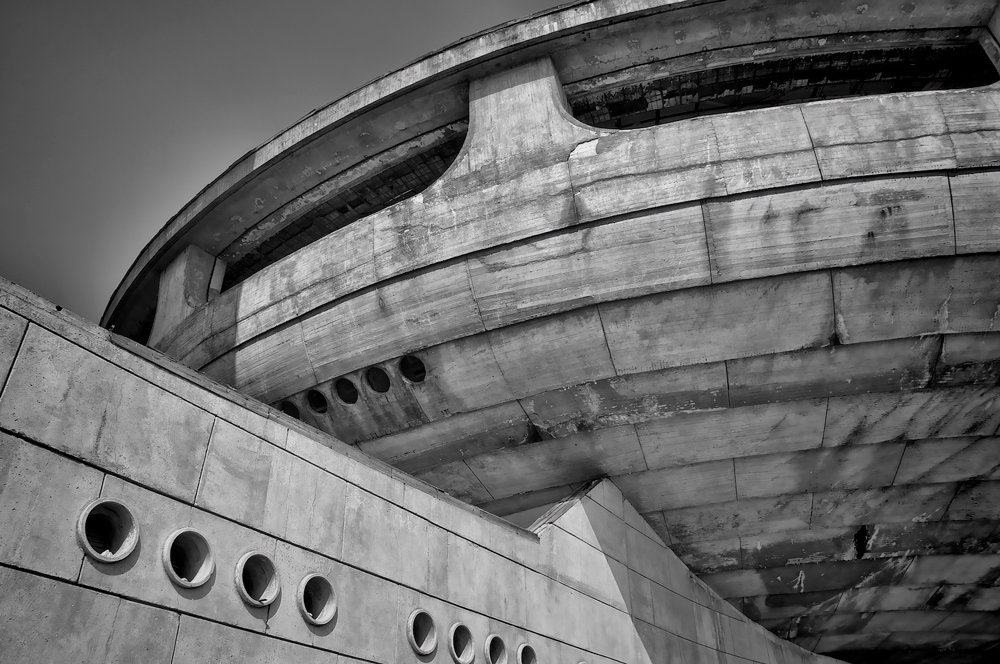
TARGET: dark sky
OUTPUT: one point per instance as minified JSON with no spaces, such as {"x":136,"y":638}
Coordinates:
{"x":114,"y":114}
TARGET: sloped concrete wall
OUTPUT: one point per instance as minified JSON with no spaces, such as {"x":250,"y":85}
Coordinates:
{"x":84,"y":414}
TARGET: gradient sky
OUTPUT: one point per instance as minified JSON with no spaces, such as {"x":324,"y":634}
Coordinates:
{"x":114,"y":114}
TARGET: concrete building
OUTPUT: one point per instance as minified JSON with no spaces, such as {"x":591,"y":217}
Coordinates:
{"x":634,"y":331}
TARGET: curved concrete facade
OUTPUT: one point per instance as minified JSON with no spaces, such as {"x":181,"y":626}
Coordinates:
{"x":773,"y":323}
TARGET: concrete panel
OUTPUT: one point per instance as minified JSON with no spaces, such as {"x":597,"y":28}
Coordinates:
{"x":559,"y":461}
{"x":457,"y":479}
{"x":67,"y":398}
{"x":971,"y":597}
{"x":262,"y":486}
{"x":41,"y":497}
{"x":937,"y":295}
{"x":273,"y":366}
{"x":372,"y":528}
{"x":49,"y":621}
{"x":345,"y":462}
{"x":577,"y":564}
{"x":696,"y":159}
{"x":885,"y":598}
{"x":709,"y":556}
{"x":947,"y":537}
{"x":773,"y":607}
{"x":462,"y":376}
{"x":883,"y":134}
{"x":732,"y":432}
{"x":366,"y":607}
{"x":889,"y":504}
{"x":141,"y":576}
{"x":424,"y":310}
{"x":886,"y":366}
{"x":976,"y":501}
{"x":872,"y":418}
{"x":955,"y":569}
{"x":683,"y":486}
{"x":950,"y":460}
{"x":573,"y":269}
{"x":203,"y":642}
{"x":630,"y":398}
{"x":595,"y":525}
{"x":453,"y":438}
{"x":798,"y":547}
{"x":719,"y":322}
{"x":551,"y":352}
{"x":739,"y":517}
{"x":845,"y":467}
{"x":674,"y":613}
{"x":12,"y":329}
{"x":968,"y":359}
{"x":807,"y":578}
{"x":423,"y":555}
{"x":829,"y":225}
{"x":976,"y":197}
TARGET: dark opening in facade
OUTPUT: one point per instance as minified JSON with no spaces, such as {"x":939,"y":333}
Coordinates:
{"x":412,"y":369}
{"x":421,"y":633}
{"x":346,"y":391}
{"x":378,"y":380}
{"x":762,"y":84}
{"x":188,"y":558}
{"x":257,"y":579}
{"x":288,"y":408}
{"x":107,"y":531}
{"x":496,"y":650}
{"x":317,"y":401}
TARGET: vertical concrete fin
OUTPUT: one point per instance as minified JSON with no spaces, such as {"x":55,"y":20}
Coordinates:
{"x":520,"y":114}
{"x":184,"y":286}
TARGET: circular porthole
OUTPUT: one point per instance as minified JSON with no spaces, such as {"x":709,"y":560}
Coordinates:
{"x":288,"y":408}
{"x":460,"y":644}
{"x":495,"y":650}
{"x":317,"y":401}
{"x":412,"y":369}
{"x":316,"y":599}
{"x":526,"y":654}
{"x":106,"y":530}
{"x":257,"y":579}
{"x":421,"y":633}
{"x":378,"y":380}
{"x":346,"y":391}
{"x":188,"y":558}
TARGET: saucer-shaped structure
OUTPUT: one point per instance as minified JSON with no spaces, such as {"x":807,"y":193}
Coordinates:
{"x":742,"y":257}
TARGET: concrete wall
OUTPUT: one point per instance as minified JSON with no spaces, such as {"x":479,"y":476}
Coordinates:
{"x":84,"y":414}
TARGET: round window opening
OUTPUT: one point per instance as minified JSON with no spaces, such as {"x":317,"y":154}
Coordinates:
{"x":421,"y":633}
{"x":106,"y":530}
{"x":526,"y":654}
{"x":460,"y":644}
{"x":317,"y":599}
{"x":288,"y":408}
{"x":496,"y":651}
{"x":188,"y":558}
{"x":257,"y":579}
{"x":346,"y":391}
{"x":377,"y":379}
{"x":317,"y":401}
{"x":412,"y":369}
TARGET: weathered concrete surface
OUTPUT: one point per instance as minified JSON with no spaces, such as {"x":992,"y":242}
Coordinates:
{"x":387,"y":543}
{"x":775,"y":329}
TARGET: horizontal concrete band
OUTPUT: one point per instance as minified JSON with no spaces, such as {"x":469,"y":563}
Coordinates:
{"x":297,"y":304}
{"x":641,"y":358}
{"x":298,"y":159}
